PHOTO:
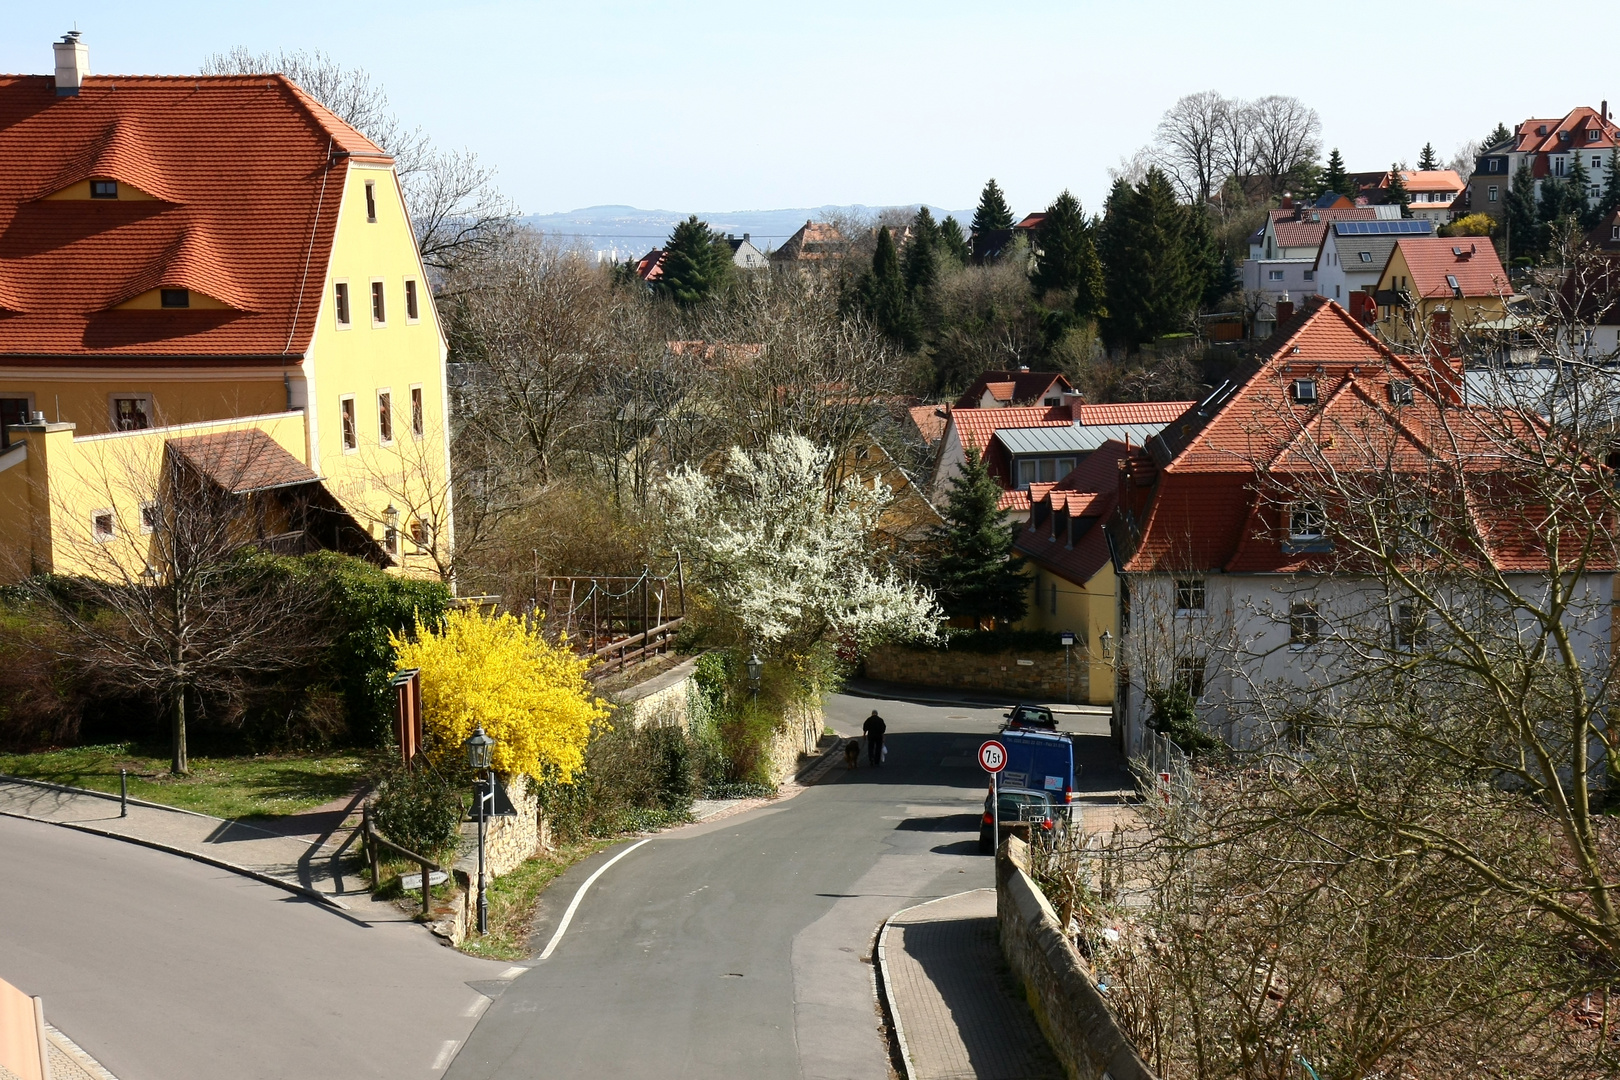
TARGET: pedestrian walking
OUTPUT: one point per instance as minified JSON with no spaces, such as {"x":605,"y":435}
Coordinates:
{"x":874,"y":728}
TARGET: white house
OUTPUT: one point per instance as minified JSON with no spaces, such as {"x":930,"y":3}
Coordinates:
{"x":1353,"y":254}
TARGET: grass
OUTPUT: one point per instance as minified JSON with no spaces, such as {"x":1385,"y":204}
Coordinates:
{"x":269,"y":785}
{"x":512,"y":901}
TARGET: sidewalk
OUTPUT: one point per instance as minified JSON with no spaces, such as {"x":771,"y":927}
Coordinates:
{"x":312,"y":853}
{"x":957,"y":1013}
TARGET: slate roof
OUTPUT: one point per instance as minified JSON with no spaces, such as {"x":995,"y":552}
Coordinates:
{"x":242,"y":461}
{"x":244,"y":174}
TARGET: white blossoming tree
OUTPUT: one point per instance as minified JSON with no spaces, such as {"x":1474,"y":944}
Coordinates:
{"x":789,"y":561}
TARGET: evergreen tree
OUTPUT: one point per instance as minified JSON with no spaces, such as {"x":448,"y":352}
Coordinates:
{"x":993,"y":216}
{"x":1609,"y":201}
{"x":1580,"y":204}
{"x":1153,"y":282}
{"x":1427,"y":162}
{"x":1062,"y":239}
{"x":1501,"y":134}
{"x":1212,"y":270}
{"x":952,"y":241}
{"x":698,"y":264}
{"x":1122,"y":325}
{"x":1397,"y":195}
{"x":1522,"y":231}
{"x":919,"y":269}
{"x":976,"y":575}
{"x":882,"y":294}
{"x":1336,"y":179}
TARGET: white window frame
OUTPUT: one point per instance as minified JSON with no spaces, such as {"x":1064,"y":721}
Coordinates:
{"x":1401,"y":392}
{"x":343,"y":433}
{"x":1303,"y":512}
{"x":112,"y":525}
{"x":137,"y":395}
{"x":1298,"y":612}
{"x":418,"y":397}
{"x":149,"y":525}
{"x":411,"y":287}
{"x":1191,"y":589}
{"x":371,"y":202}
{"x":1490,"y":193}
{"x":342,"y":304}
{"x":372,"y":299}
{"x":1274,"y":275}
{"x":393,"y":419}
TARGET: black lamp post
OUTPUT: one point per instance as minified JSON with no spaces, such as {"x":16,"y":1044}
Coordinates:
{"x":478,"y":747}
{"x":756,"y":668}
{"x":391,"y":537}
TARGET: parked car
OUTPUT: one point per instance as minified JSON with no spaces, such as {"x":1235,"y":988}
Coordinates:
{"x":1025,"y":715}
{"x":1040,"y":761}
{"x":1014,"y":805}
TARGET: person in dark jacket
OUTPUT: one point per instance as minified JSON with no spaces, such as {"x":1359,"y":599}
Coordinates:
{"x":874,"y":728}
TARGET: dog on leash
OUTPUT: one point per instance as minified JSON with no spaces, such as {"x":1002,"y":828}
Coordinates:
{"x":852,"y":753}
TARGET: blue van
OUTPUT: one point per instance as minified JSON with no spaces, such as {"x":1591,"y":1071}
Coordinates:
{"x":1039,"y":761}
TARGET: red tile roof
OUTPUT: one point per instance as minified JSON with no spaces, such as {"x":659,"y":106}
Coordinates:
{"x":1079,"y":503}
{"x":1305,"y":227}
{"x":1431,"y":259}
{"x":976,"y":427}
{"x":930,"y":421}
{"x":246,"y":174}
{"x":650,"y":267}
{"x":1577,"y":121}
{"x":1134,"y":412}
{"x":242,"y":461}
{"x":1028,"y":387}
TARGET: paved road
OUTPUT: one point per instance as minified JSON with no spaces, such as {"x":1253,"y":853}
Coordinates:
{"x":742,"y":948}
{"x":166,"y":969}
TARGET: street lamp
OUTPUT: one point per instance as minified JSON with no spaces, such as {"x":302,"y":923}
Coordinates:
{"x":756,"y":668}
{"x":478,"y":747}
{"x":391,"y":535}
{"x":1106,"y":640}
{"x":149,"y":576}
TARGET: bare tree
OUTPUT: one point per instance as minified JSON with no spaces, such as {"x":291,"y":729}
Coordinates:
{"x":159,"y":592}
{"x":1463,"y":161}
{"x":1191,"y":140}
{"x":1286,"y":137}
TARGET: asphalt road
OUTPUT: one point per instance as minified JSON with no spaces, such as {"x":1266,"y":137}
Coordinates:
{"x":741,"y":948}
{"x":166,"y":969}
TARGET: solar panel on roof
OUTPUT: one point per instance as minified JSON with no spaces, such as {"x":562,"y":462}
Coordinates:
{"x":1383,"y":228}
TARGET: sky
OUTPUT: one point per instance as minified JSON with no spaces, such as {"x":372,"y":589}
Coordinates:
{"x":716,"y":105}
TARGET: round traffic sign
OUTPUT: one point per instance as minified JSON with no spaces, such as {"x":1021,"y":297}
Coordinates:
{"x":993,"y":756}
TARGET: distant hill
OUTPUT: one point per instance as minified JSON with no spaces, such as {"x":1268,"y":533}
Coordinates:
{"x":625,"y":232}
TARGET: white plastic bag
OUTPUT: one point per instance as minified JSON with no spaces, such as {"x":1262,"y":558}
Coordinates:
{"x":885,"y":756}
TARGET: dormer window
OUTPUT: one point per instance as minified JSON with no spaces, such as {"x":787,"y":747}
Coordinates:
{"x":1366,"y":256}
{"x":104,"y":189}
{"x":1400,"y":392}
{"x":175,"y":298}
{"x":1304,"y":391}
{"x":1593,"y":134}
{"x":1305,"y":522}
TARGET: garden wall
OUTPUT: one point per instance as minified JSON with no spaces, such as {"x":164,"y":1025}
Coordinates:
{"x":1036,"y":674}
{"x":1060,"y":987}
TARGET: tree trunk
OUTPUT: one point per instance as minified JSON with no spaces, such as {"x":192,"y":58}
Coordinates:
{"x":180,"y":766}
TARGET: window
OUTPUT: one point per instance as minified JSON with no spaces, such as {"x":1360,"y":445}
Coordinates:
{"x":418,"y":414}
{"x":1558,"y":163}
{"x":1274,"y":275}
{"x":391,"y":539}
{"x":1411,"y":627}
{"x":104,"y":189}
{"x":385,"y":417}
{"x":101,"y":525}
{"x":421,"y":536}
{"x":175,"y":297}
{"x":1451,"y":280}
{"x":411,"y":312}
{"x":1366,"y":256}
{"x":1065,"y":466}
{"x":1310,"y":275}
{"x":150,"y":518}
{"x":13,"y":411}
{"x":1026,"y":473}
{"x":1597,"y":162}
{"x":1490,"y":193}
{"x":1592,"y":135}
{"x":1189,"y":676}
{"x":131,"y":412}
{"x":1304,"y":625}
{"x":1336,"y":293}
{"x":371,"y":201}
{"x":351,"y":434}
{"x":1304,"y":391}
{"x":1189,"y":594}
{"x":379,"y":314}
{"x":342,"y":304}
{"x":1305,"y":522}
{"x":1614,"y":232}
{"x":1400,"y":392}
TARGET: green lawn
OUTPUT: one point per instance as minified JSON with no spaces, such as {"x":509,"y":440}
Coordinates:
{"x":270,"y":785}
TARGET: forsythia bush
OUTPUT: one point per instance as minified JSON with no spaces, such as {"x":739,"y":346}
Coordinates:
{"x":498,"y":672}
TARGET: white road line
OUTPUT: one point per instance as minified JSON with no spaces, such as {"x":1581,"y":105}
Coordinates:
{"x":476,"y":1006}
{"x":512,"y":972}
{"x":573,"y":905}
{"x":446,"y":1052}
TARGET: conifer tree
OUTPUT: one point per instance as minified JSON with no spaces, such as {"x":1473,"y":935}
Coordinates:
{"x":1062,"y":239}
{"x":976,"y":574}
{"x":1114,"y":248}
{"x":919,"y":269}
{"x":1144,"y":243}
{"x":1336,"y":179}
{"x":952,"y":241}
{"x":993,"y":216}
{"x":1396,"y":194}
{"x":1609,"y":201}
{"x":1501,"y":134}
{"x":1213,"y":271}
{"x":1427,"y":162}
{"x":882,"y":293}
{"x":1579,"y":202}
{"x":1523,"y":234}
{"x":697,"y":264}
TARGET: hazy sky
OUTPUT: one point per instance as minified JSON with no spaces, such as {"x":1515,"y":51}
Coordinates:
{"x":721,"y":106}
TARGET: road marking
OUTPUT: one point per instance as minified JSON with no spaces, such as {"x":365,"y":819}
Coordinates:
{"x":512,"y":972}
{"x":446,"y":1052}
{"x":476,"y":1006}
{"x":573,"y":905}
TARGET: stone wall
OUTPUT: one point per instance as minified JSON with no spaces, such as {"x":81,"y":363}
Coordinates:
{"x":796,"y":739}
{"x":661,"y":700}
{"x":508,"y":841}
{"x":1035,"y":675}
{"x":1060,"y":988}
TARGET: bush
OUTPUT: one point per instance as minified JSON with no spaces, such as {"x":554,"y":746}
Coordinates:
{"x":1174,"y":715}
{"x":997,"y":641}
{"x":634,"y":779}
{"x":40,"y":703}
{"x":418,"y":809}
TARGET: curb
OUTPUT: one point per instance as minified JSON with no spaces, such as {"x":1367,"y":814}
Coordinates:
{"x":71,"y":790}
{"x":257,"y":875}
{"x":882,"y":967}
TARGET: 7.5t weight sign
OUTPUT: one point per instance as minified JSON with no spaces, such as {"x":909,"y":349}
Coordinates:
{"x":992,"y":757}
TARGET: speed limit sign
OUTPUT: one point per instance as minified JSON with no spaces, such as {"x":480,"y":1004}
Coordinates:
{"x":993,"y":757}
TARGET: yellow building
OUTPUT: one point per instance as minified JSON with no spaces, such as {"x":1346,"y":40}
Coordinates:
{"x":211,"y":256}
{"x":1072,"y":584}
{"x":1436,"y":289}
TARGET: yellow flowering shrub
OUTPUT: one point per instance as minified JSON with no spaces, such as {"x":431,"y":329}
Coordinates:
{"x":497,"y":671}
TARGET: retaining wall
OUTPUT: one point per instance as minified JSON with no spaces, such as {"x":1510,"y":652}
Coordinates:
{"x":1060,"y":987}
{"x":1036,"y":675}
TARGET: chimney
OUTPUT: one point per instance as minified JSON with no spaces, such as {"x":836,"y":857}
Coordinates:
{"x":72,"y":63}
{"x":745,"y":236}
{"x":1285,"y":309}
